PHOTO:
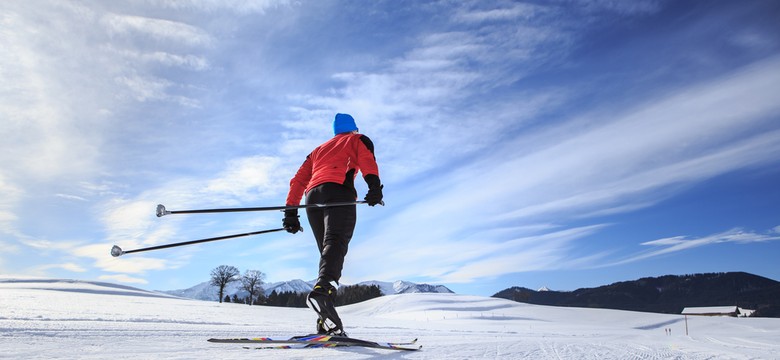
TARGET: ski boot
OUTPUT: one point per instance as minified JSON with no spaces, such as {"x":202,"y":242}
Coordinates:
{"x":322,"y":301}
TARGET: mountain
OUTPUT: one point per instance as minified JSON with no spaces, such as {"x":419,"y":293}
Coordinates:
{"x":666,"y":294}
{"x":208,"y":292}
{"x":202,"y":291}
{"x":297,"y":286}
{"x":406,"y":287}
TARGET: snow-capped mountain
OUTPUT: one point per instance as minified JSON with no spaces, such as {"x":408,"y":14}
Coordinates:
{"x":297,"y":285}
{"x":406,"y":287}
{"x":206,"y":291}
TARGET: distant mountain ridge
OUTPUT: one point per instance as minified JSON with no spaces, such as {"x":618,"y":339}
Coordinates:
{"x":208,"y":292}
{"x":406,"y":287}
{"x":666,"y":294}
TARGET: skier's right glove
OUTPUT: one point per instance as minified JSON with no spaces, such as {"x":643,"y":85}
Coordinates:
{"x":291,"y":222}
{"x":374,"y":195}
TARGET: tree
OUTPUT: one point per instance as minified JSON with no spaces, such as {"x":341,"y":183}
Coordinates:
{"x":356,"y":293}
{"x":252,"y":282}
{"x":223,"y":275}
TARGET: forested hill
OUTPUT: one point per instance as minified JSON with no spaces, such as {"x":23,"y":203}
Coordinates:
{"x":666,"y":294}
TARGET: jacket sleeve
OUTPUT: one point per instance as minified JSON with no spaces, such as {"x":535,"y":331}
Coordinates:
{"x":367,"y":161}
{"x":299,"y":182}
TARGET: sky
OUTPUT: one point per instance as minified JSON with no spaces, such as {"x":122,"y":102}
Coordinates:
{"x":565,"y":144}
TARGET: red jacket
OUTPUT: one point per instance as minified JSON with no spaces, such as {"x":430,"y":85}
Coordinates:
{"x":337,"y":160}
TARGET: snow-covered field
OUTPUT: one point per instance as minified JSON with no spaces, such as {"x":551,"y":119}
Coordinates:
{"x":61,"y":319}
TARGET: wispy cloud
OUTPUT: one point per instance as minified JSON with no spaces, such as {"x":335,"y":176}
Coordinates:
{"x":237,"y":6}
{"x":248,"y":179}
{"x":123,"y":278}
{"x":498,"y":150}
{"x":683,"y":243}
{"x":440,"y":90}
{"x":156,"y":29}
{"x":132,"y":223}
{"x":624,"y":163}
{"x":72,"y":267}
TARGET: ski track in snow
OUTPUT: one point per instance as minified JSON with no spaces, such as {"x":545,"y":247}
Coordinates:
{"x":52,"y":319}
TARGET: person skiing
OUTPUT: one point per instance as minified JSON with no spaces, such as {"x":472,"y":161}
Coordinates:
{"x":328,"y":176}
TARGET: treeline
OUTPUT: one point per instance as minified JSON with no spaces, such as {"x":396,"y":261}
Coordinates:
{"x":668,"y":294}
{"x":252,"y":283}
{"x":346,"y":295}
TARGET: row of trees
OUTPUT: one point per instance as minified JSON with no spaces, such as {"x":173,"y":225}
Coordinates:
{"x":252,"y":283}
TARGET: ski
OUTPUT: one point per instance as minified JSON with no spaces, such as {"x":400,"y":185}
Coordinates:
{"x":319,"y":341}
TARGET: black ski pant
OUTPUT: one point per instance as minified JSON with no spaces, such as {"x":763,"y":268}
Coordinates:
{"x":332,"y":226}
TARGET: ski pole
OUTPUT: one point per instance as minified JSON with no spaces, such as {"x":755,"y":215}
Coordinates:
{"x":116,"y":251}
{"x":161,"y":211}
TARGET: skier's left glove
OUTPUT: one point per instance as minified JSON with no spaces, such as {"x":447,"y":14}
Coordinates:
{"x":291,"y":222}
{"x":374,"y":195}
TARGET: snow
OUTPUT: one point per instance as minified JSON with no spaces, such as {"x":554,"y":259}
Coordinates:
{"x":709,"y":310}
{"x":66,"y":319}
{"x":206,"y":291}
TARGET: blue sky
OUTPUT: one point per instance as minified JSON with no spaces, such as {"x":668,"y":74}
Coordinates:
{"x":564,"y":144}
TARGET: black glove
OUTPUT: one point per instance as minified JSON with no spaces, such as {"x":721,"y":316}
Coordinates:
{"x":291,"y":222}
{"x":374,"y":195}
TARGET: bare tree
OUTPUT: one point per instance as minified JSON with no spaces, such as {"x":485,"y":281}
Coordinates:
{"x":223,"y":275}
{"x":252,"y":282}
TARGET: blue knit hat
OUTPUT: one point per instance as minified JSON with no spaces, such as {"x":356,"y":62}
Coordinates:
{"x":343,"y":123}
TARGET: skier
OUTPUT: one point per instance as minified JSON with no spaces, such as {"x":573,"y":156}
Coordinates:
{"x":328,"y":176}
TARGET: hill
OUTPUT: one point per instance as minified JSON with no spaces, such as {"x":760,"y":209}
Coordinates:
{"x":666,"y":294}
{"x":67,"y":319}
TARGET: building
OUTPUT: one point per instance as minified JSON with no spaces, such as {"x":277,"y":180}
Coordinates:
{"x":734,"y":311}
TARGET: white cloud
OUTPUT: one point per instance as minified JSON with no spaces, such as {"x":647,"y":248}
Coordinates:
{"x":454,"y":258}
{"x":236,"y":6}
{"x":127,"y":219}
{"x":122,"y":278}
{"x":137,"y":264}
{"x":514,"y":12}
{"x":192,"y":62}
{"x":696,"y":133}
{"x":591,"y":165}
{"x":93,"y":96}
{"x":156,"y":29}
{"x":682,"y":243}
{"x":11,"y":195}
{"x":72,"y":267}
{"x":414,"y":96}
{"x":46,"y":245}
{"x":133,"y":224}
{"x":247,"y":179}
{"x":70,"y":197}
{"x":639,"y":7}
